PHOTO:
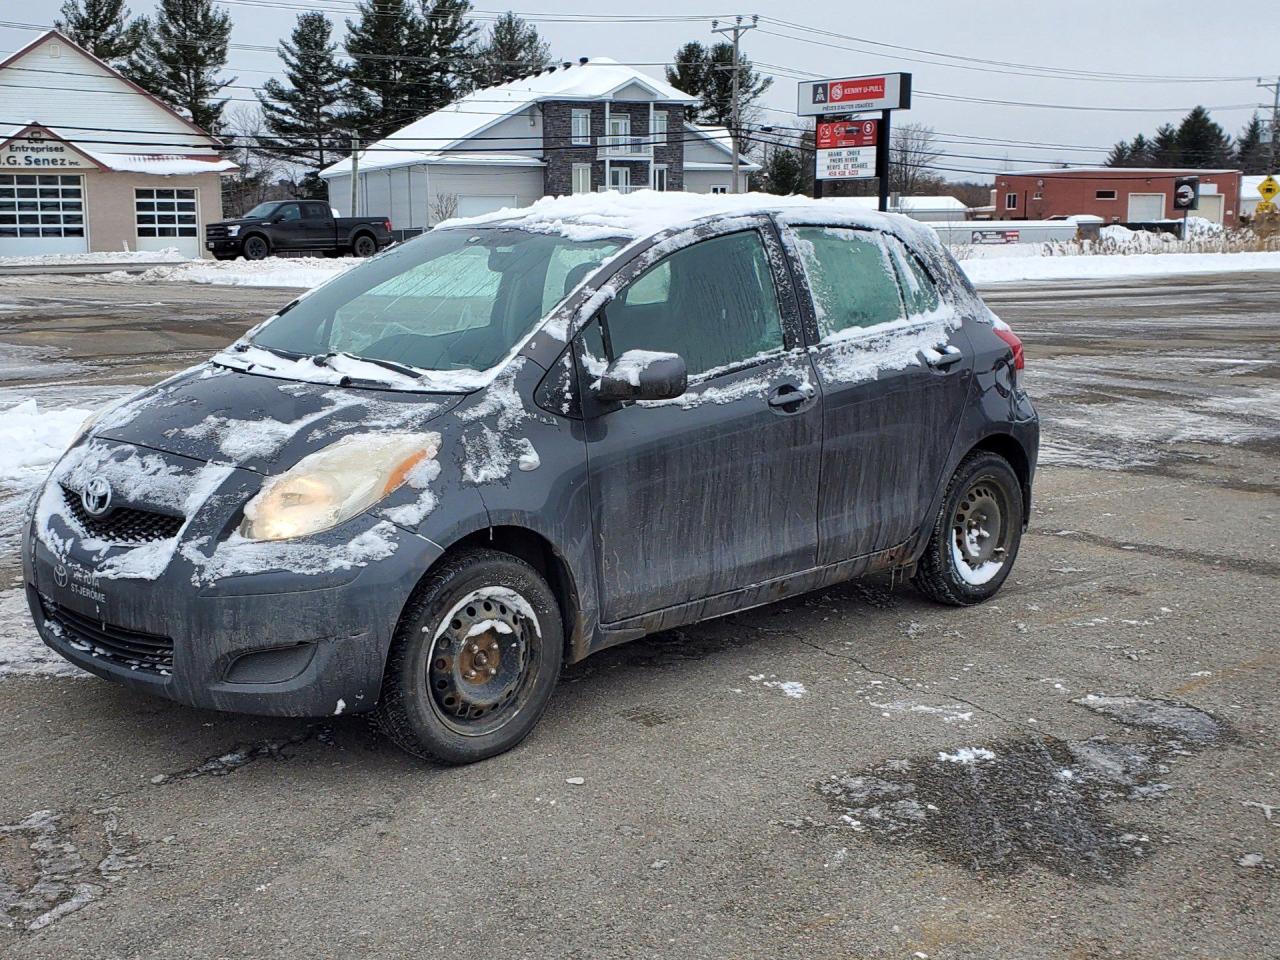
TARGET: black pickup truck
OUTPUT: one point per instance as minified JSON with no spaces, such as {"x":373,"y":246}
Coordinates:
{"x":296,"y":225}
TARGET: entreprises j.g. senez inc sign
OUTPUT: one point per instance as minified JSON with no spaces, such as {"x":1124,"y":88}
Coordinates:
{"x":886,"y":91}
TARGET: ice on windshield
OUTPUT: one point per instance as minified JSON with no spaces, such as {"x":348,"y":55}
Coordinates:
{"x":450,"y":302}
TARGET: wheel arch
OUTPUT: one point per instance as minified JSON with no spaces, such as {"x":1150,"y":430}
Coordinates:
{"x":1006,"y":446}
{"x":260,"y":234}
{"x":537,"y":551}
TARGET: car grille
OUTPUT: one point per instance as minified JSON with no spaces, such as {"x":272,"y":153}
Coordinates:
{"x":215,"y":232}
{"x":128,"y":648}
{"x":123,"y":525}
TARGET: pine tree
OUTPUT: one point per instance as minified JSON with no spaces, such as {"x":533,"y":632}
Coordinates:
{"x":707,"y":73}
{"x":102,"y":27}
{"x":783,"y":173}
{"x":304,"y":117}
{"x":1121,"y":155}
{"x":511,"y":49}
{"x":442,"y":41}
{"x":1140,"y":152}
{"x":1202,"y":144}
{"x":1165,"y":150}
{"x":1252,"y":156}
{"x":378,"y":42}
{"x":183,"y":52}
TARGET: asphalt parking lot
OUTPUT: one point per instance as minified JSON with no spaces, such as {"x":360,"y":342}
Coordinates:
{"x":1086,"y":767}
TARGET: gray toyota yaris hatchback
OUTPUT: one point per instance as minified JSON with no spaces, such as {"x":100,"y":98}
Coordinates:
{"x":421,"y":488}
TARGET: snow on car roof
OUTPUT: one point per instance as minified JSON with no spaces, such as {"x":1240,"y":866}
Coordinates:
{"x":585,"y":217}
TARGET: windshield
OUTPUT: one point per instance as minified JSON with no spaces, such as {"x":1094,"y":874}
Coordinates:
{"x":449,"y":300}
{"x":261,"y":210}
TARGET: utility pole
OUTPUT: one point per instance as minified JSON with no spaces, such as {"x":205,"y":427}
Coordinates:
{"x":1275,"y":120}
{"x":736,"y":31}
{"x":355,"y":172}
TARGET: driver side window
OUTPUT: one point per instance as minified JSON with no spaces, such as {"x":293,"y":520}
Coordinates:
{"x":714,"y":303}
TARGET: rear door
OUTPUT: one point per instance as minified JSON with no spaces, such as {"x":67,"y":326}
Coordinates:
{"x":318,"y":226}
{"x":894,"y":369}
{"x":715,"y":490}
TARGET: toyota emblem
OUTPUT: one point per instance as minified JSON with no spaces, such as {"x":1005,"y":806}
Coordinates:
{"x":96,"y":496}
{"x":60,"y":575}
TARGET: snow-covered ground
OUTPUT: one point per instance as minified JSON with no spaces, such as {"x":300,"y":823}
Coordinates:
{"x":271,"y":272}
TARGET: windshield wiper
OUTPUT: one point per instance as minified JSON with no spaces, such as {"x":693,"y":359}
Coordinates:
{"x":401,"y":368}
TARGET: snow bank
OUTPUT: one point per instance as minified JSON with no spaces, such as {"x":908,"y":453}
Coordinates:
{"x":21,"y":649}
{"x":270,"y":272}
{"x":31,"y":439}
{"x":982,"y":272}
{"x":103,"y":256}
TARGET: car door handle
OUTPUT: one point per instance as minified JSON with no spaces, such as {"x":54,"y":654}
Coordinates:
{"x":791,"y":397}
{"x":947,"y":357}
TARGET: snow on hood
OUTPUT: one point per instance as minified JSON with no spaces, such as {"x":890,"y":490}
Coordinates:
{"x":213,"y":414}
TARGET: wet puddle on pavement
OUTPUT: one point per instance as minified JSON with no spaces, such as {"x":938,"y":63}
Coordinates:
{"x":1034,"y":801}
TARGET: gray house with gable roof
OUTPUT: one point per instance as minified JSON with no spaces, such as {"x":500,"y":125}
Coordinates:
{"x":588,"y":126}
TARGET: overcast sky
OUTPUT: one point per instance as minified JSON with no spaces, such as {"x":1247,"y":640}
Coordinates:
{"x":1232,"y":38}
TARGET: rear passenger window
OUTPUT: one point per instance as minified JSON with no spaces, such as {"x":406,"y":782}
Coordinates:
{"x":714,"y":303}
{"x":918,"y":289}
{"x":852,"y":277}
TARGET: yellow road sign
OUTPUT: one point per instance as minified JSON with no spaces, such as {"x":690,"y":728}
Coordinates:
{"x":1269,"y":188}
{"x":1266,"y":206}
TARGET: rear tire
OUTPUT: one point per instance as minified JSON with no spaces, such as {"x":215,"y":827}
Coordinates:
{"x":474,"y":660}
{"x":977,"y":533}
{"x":364,"y":246}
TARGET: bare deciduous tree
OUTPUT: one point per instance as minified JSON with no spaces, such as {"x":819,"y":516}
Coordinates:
{"x":444,"y":206}
{"x":260,"y":172}
{"x":912,"y":155}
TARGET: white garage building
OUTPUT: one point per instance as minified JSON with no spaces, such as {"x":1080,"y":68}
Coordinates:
{"x":89,"y":161}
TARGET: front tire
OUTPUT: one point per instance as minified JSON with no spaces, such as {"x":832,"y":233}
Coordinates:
{"x":256,"y":248}
{"x":976,"y":536}
{"x":474,"y":660}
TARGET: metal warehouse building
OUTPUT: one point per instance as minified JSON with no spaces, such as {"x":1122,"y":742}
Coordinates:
{"x":67,"y":185}
{"x":1116,"y":194}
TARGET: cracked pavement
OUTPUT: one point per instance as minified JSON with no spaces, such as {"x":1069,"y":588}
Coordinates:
{"x":704,"y":824}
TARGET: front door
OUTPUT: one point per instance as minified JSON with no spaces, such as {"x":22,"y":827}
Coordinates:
{"x":289,"y":232}
{"x":714,"y":490}
{"x":895,"y":368}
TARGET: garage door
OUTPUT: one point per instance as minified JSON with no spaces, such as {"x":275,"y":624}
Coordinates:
{"x":167,"y":219}
{"x":1145,"y":207}
{"x":473,"y":205}
{"x":41,"y":214}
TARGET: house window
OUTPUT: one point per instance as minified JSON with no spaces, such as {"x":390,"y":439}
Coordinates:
{"x":720,"y":188}
{"x":167,"y":213}
{"x":659,"y":126}
{"x":1011,"y":201}
{"x":1105,"y":195}
{"x":660,"y":176}
{"x":620,"y":179}
{"x":1037,"y":195}
{"x":582,"y":178}
{"x":580,"y":131}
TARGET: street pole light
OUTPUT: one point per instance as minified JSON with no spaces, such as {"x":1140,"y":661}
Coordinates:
{"x":355,"y":171}
{"x":736,"y":31}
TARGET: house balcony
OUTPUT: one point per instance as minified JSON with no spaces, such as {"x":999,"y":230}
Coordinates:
{"x":625,"y":147}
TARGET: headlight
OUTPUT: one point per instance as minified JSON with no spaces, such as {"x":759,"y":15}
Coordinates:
{"x":85,"y":427}
{"x":233,"y":231}
{"x":335,"y":484}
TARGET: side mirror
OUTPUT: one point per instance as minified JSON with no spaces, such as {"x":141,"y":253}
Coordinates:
{"x":644,"y":375}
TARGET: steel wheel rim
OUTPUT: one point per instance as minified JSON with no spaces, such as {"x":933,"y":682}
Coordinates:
{"x":980,"y":531}
{"x":479,"y":679}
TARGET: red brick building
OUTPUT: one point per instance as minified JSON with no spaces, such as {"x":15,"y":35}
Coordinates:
{"x":1117,"y":194}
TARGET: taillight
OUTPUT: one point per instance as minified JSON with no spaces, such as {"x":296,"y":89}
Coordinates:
{"x":387,"y":224}
{"x":1019,"y":357}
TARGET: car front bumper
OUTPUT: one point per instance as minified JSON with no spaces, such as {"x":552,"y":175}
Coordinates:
{"x":275,"y":643}
{"x":223,"y":246}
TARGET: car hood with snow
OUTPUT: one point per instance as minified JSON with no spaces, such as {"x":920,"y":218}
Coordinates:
{"x":261,"y":423}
